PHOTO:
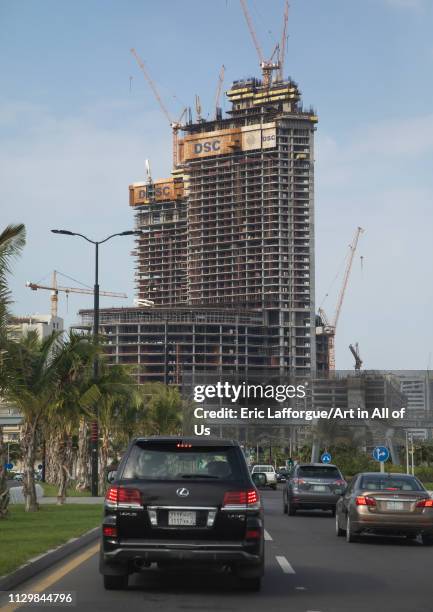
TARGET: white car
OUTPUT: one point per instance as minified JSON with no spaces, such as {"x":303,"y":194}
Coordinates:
{"x":269,"y":472}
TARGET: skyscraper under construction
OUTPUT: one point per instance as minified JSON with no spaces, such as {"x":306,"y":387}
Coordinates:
{"x":233,"y":228}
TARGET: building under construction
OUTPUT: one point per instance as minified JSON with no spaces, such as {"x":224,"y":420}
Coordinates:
{"x":233,"y":228}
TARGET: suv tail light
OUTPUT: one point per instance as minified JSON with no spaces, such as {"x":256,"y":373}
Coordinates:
{"x":298,"y":481}
{"x":365,"y":500}
{"x":241,"y":499}
{"x":340,"y":482}
{"x":121,"y":496}
{"x":425,"y":503}
{"x":109,"y":532}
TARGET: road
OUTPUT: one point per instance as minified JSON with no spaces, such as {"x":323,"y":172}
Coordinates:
{"x":308,"y":569}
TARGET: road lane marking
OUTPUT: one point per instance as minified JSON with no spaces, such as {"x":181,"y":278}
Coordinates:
{"x":45,"y":583}
{"x":285,"y":565}
{"x":268,"y":536}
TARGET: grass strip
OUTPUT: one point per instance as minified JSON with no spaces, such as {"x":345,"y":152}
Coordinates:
{"x":24,"y":535}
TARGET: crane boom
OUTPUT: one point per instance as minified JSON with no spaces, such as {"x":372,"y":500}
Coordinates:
{"x":353,"y":246}
{"x":355,"y":352}
{"x":330,"y":328}
{"x":219,"y":88}
{"x":284,"y":39}
{"x":54,"y":288}
{"x":252,"y":30}
{"x":152,"y":85}
{"x":34,"y":287}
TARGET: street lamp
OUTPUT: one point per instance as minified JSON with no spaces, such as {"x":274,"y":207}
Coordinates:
{"x":94,"y":431}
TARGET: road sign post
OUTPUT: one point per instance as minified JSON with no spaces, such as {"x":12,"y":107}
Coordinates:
{"x":381,"y":454}
{"x":326,"y":458}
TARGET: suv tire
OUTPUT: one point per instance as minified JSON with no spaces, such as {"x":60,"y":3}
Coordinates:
{"x":252,"y":584}
{"x":115,"y":583}
{"x":291,"y":511}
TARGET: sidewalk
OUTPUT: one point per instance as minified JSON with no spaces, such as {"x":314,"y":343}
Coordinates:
{"x":72,"y":500}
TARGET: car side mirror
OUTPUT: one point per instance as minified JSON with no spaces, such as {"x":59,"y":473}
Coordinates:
{"x":259,"y":479}
{"x":111,"y":476}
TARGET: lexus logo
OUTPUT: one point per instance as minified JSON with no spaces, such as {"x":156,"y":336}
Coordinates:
{"x":182,"y":492}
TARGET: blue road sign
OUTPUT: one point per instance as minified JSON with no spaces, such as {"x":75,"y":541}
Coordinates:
{"x":9,"y":466}
{"x":326,"y":458}
{"x":381,"y":453}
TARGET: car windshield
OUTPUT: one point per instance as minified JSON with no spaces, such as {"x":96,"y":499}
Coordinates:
{"x":149,"y":461}
{"x":316,"y":471}
{"x":390,"y":483}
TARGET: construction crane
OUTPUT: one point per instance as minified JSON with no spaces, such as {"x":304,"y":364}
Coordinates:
{"x":54,"y":288}
{"x":283,"y":43}
{"x":267,"y":66}
{"x":355,"y":352}
{"x":218,"y":112}
{"x":330,"y":328}
{"x":198,"y":109}
{"x":175,"y":125}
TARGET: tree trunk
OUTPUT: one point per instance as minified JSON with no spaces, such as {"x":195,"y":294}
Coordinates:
{"x":28,"y":448}
{"x":4,"y":491}
{"x":63,"y":459}
{"x":83,"y":474}
{"x":103,"y":461}
{"x":51,"y":451}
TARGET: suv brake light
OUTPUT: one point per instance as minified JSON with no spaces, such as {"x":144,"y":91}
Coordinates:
{"x":116,"y":496}
{"x":365,"y":500}
{"x":425,"y":503}
{"x":298,"y":481}
{"x":340,"y":482}
{"x":242,"y":498}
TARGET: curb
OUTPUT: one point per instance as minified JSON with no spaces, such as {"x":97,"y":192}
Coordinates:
{"x":45,"y":560}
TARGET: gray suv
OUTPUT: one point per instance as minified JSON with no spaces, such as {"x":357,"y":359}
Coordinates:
{"x":313,"y":486}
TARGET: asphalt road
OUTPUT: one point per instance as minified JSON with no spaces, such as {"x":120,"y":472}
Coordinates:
{"x":308,"y":569}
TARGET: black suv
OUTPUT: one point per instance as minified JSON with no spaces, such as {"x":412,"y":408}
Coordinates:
{"x":178,"y":501}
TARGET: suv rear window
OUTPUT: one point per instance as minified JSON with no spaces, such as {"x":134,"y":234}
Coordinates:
{"x":263,"y":468}
{"x":390,"y":483}
{"x":315,"y":471}
{"x":149,"y":461}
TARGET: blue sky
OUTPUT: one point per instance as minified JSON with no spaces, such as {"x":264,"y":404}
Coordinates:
{"x":74,"y":134}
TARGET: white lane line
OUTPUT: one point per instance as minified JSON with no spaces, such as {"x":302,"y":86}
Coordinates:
{"x":285,"y":565}
{"x":268,"y":536}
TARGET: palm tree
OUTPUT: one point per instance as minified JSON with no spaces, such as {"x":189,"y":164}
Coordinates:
{"x":117,"y":406}
{"x":33,"y":389}
{"x":163,"y":408}
{"x":12,"y":241}
{"x":76,"y":395}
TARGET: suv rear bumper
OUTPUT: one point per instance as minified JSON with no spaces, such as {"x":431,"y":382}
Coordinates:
{"x":129,"y":553}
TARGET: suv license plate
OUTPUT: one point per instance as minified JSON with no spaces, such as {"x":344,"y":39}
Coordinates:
{"x":182,"y":518}
{"x":392,"y":505}
{"x":319,"y":488}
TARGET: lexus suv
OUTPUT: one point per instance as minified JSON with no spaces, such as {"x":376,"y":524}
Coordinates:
{"x":179,"y":502}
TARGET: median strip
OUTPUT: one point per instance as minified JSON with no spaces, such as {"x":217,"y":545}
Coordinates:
{"x":48,"y":581}
{"x":285,"y":565}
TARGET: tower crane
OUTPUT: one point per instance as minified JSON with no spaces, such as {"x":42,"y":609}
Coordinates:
{"x":218,"y":92}
{"x":54,"y":288}
{"x":175,"y":125}
{"x":330,"y":328}
{"x":267,"y":66}
{"x":283,"y":40}
{"x":355,"y":352}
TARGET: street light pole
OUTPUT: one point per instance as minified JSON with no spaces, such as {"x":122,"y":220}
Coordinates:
{"x":94,"y":433}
